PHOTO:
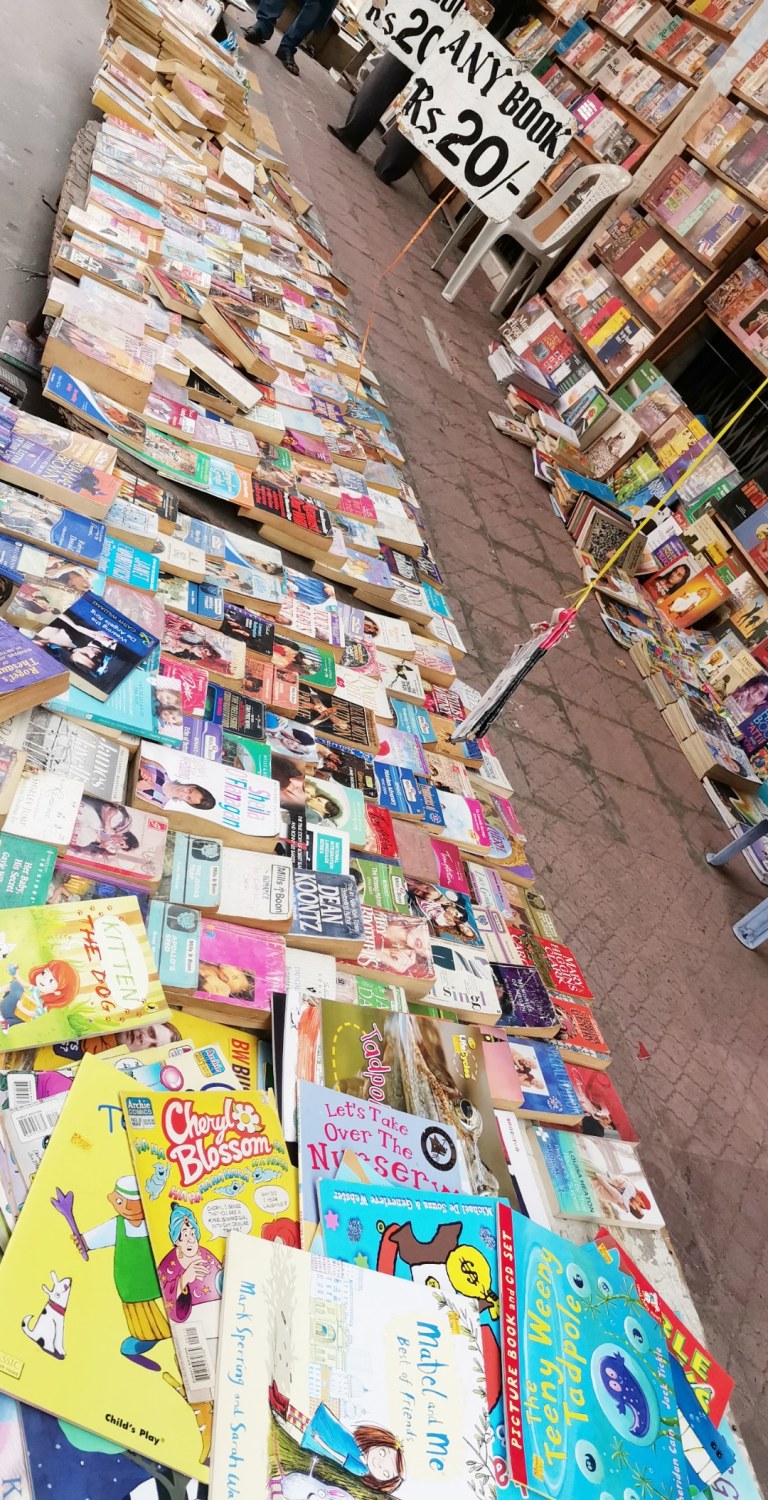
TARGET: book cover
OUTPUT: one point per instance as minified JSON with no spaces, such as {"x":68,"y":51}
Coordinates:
{"x":548,"y":1093}
{"x":604,"y":1113}
{"x":595,"y":1179}
{"x":97,"y":644}
{"x":578,"y":1036}
{"x":44,"y":807}
{"x":396,"y":948}
{"x":449,"y":914}
{"x":627,"y":1431}
{"x":447,"y":1243}
{"x":64,"y":532}
{"x":142,"y":705}
{"x":288,"y":1399}
{"x":76,"y":970}
{"x":527,"y":1008}
{"x":422,"y":1066}
{"x":464,"y":984}
{"x":28,"y":675}
{"x":26,"y":871}
{"x":380,"y":882}
{"x":83,"y":1221}
{"x":198,"y":795}
{"x":118,"y":842}
{"x":206,"y":1164}
{"x":331,"y":806}
{"x":239,"y":969}
{"x":327,"y":915}
{"x":403,"y":1148}
{"x":57,"y":744}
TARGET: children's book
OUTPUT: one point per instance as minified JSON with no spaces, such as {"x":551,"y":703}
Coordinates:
{"x":201,"y":796}
{"x":83,"y":1331}
{"x":711,"y":1383}
{"x":304,"y":1398}
{"x":96,"y":644}
{"x":65,"y":1460}
{"x":405,"y":1149}
{"x":589,"y":1178}
{"x":206,"y":1164}
{"x":572,"y":1307}
{"x":76,"y":970}
{"x":446,"y":1243}
{"x":422,"y":1066}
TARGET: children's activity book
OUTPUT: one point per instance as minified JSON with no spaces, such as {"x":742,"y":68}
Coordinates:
{"x":206,"y":1163}
{"x":322,"y":1376}
{"x":83,"y":1330}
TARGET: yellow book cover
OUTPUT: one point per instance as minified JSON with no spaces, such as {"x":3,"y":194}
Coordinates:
{"x":207,"y":1163}
{"x":83,"y":1330}
{"x":607,"y":329}
{"x":240,"y":1048}
{"x":78,"y":970}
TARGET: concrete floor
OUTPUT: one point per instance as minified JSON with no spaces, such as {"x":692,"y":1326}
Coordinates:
{"x":617,"y":823}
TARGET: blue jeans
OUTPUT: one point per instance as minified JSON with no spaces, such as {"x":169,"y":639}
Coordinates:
{"x":313,"y":16}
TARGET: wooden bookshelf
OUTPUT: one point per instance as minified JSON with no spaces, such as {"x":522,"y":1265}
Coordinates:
{"x":723,"y":32}
{"x":736,"y":187}
{"x":760,"y":363}
{"x":762,"y":109}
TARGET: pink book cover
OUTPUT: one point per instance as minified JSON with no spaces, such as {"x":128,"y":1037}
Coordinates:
{"x":240,"y":966}
{"x":503,"y":1078}
{"x":175,"y":414}
{"x":193,"y":682}
{"x":361,"y":507}
{"x":511,"y":820}
{"x":426,"y":858}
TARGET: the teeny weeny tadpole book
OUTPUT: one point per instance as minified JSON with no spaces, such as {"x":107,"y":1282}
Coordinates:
{"x":76,"y":970}
{"x":207,"y":1164}
{"x":588,"y":1390}
{"x":83,"y":1330}
{"x":329,"y":1372}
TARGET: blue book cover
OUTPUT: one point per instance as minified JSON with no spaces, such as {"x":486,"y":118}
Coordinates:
{"x":399,"y":791}
{"x":196,"y":872}
{"x":588,"y":1387}
{"x":591,"y":487}
{"x":433,"y":812}
{"x":446,"y":1242}
{"x":413,"y":720}
{"x":77,"y":396}
{"x":201,"y":737}
{"x":51,"y":527}
{"x":127,"y":199}
{"x":548,"y":1093}
{"x":13,"y":560}
{"x":97,"y":644}
{"x":407,"y":1150}
{"x":326,"y":910}
{"x":211,"y":539}
{"x":133,"y":707}
{"x":70,"y":1463}
{"x":129,"y":565}
{"x":578,"y":29}
{"x":754,"y":731}
{"x":437,"y":602}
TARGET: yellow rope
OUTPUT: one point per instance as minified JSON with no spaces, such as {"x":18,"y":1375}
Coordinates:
{"x":585,"y":593}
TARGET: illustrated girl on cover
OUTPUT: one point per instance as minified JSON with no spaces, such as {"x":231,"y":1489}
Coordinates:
{"x":188,"y":1275}
{"x":373,"y":1454}
{"x":49,"y":987}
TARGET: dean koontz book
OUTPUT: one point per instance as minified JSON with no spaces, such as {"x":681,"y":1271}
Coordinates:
{"x":79,"y":1362}
{"x":97,"y":644}
{"x":77,"y":970}
{"x":327,"y":916}
{"x":199,"y":796}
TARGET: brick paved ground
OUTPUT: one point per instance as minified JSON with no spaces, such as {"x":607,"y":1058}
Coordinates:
{"x":617,"y":822}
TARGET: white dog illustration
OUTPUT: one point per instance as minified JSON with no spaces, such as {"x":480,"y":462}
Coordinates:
{"x":48,"y":1329}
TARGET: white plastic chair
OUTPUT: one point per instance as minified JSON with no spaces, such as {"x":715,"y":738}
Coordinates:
{"x":537,"y":257}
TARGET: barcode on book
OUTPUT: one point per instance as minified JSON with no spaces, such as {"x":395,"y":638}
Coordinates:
{"x":36,"y":1123}
{"x":198,"y":1373}
{"x":22,"y":1089}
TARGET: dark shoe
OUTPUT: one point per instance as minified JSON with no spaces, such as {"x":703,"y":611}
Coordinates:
{"x":254,"y":36}
{"x":289,"y":63}
{"x":337,"y":131}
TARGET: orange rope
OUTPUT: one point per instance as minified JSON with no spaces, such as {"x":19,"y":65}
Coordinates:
{"x":383,"y":274}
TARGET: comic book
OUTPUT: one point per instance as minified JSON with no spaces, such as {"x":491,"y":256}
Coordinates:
{"x":206,"y":1163}
{"x":76,"y":970}
{"x":446,"y":1243}
{"x":83,"y":1331}
{"x":306,"y":1386}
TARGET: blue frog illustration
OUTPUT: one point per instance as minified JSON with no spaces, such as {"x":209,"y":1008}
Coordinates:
{"x":626,"y":1391}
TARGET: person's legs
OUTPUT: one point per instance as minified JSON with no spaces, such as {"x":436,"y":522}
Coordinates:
{"x":397,"y":158}
{"x":375,"y":94}
{"x":266,"y":17}
{"x":313,"y":16}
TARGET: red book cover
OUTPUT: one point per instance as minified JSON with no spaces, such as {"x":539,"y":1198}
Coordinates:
{"x":567,"y":977}
{"x":613,"y":305}
{"x":270,"y":501}
{"x":712,"y":1384}
{"x":381,"y":832}
{"x":604,"y":1113}
{"x":579,"y":1038}
{"x":510,"y":1347}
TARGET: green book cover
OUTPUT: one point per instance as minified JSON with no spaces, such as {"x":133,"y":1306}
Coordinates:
{"x":315,"y":664}
{"x":244,"y":754}
{"x":26,"y":871}
{"x":381,"y":883}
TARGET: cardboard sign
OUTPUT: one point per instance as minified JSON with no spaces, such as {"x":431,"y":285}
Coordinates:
{"x":493,"y":131}
{"x":409,"y":29}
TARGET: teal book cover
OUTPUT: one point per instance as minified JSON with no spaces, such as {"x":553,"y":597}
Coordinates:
{"x":447,"y":1242}
{"x":589,"y":1401}
{"x":129,"y":565}
{"x":141,"y":705}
